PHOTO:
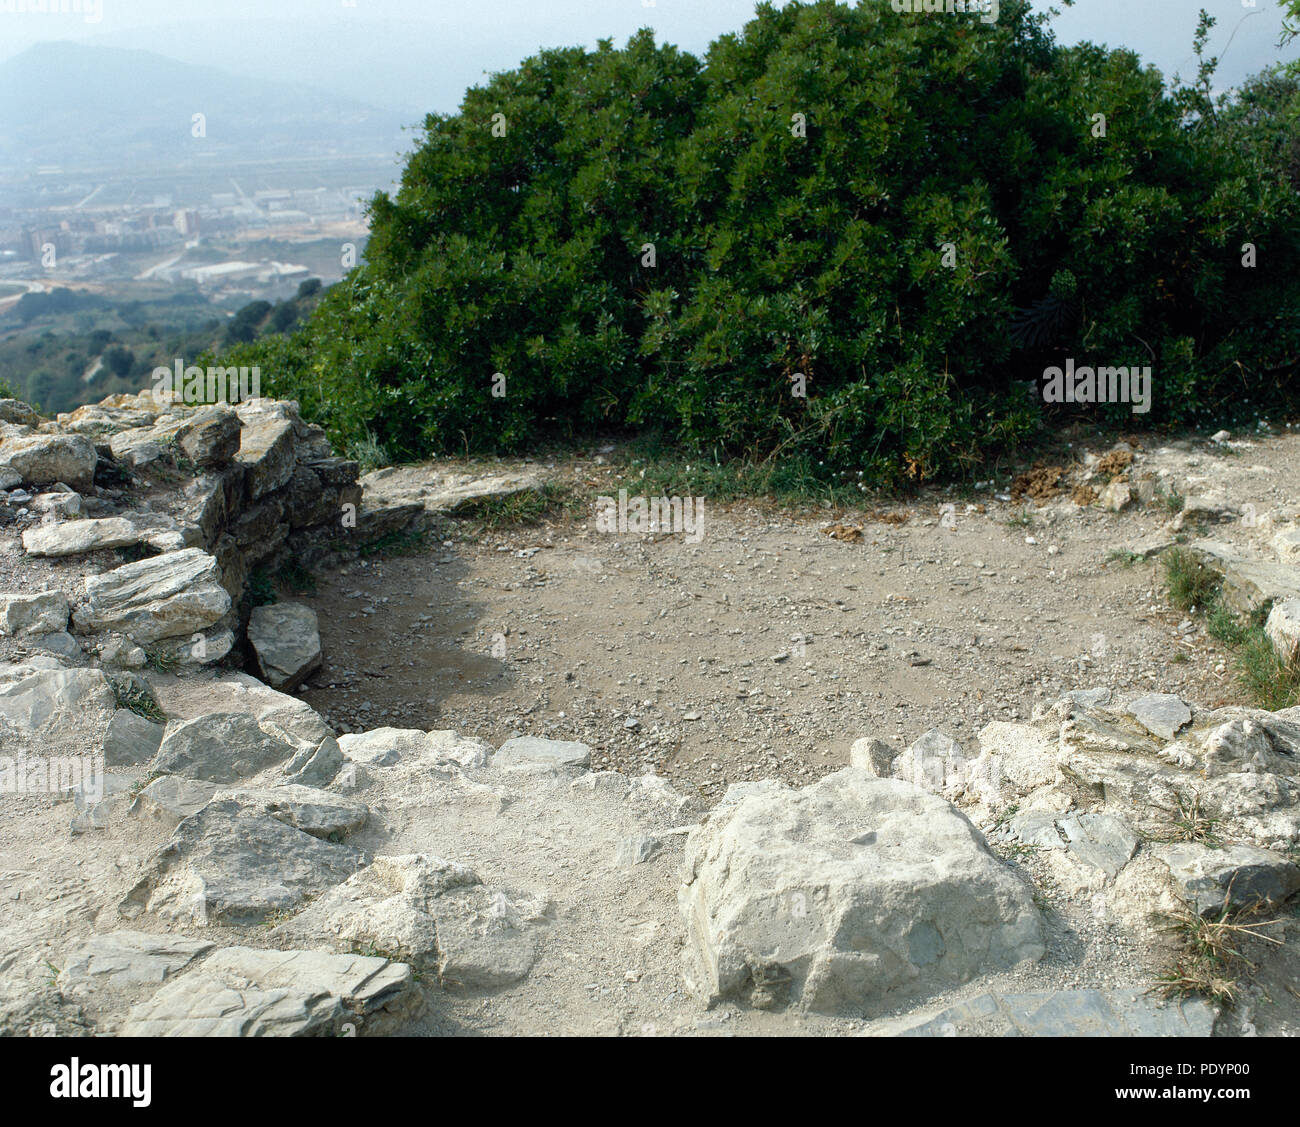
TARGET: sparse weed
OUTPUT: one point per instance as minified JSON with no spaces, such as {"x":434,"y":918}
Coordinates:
{"x":1270,"y":682}
{"x":401,"y":542}
{"x":162,"y":662}
{"x":1224,"y":626}
{"x":1124,"y":558}
{"x":529,"y":506}
{"x":261,"y":588}
{"x":369,"y":453}
{"x":1172,"y":502}
{"x":1192,"y":824}
{"x":142,"y":783}
{"x":298,"y":579}
{"x":1190,"y":583}
{"x":132,"y":697}
{"x":1210,"y":962}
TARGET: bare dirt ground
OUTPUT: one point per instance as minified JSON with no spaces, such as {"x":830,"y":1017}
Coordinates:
{"x":762,"y":650}
{"x":768,"y":647}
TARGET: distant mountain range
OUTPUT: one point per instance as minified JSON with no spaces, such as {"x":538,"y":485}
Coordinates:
{"x":70,"y":104}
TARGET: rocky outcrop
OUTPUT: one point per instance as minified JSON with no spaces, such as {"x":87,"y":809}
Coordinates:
{"x":214,"y":492}
{"x":230,"y":862}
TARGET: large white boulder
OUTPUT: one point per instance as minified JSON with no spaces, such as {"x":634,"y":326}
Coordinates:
{"x":853,"y":893}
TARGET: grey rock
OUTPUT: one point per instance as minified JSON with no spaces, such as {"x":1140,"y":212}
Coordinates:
{"x":1037,"y":828}
{"x":60,"y":506}
{"x":41,"y":458}
{"x":315,"y":767}
{"x":532,"y":749}
{"x":1100,"y":840}
{"x":219,"y":748}
{"x":286,"y":639}
{"x":439,"y":491}
{"x":447,"y":746}
{"x":1116,"y":497}
{"x":874,"y":756}
{"x":42,"y":613}
{"x":100,"y":803}
{"x":210,"y":437}
{"x":1236,"y":876}
{"x":1283,"y":629}
{"x":245,"y":992}
{"x":46,"y":708}
{"x":1208,"y":508}
{"x":1089,"y":698}
{"x":936,"y":762}
{"x":372,"y":750}
{"x":125,"y":960}
{"x":197,"y":649}
{"x":18,"y":413}
{"x":314,"y":811}
{"x":230,"y":864}
{"x":168,"y":596}
{"x":854,"y":892}
{"x":1259,"y":744}
{"x":1286,"y":544}
{"x":120,"y":652}
{"x":433,"y":913}
{"x":62,"y":644}
{"x":131,"y":739}
{"x":1014,"y":760}
{"x":1161,"y":714}
{"x":172,"y":799}
{"x":375,"y":519}
{"x":1248,"y":584}
{"x":385,"y":747}
{"x":637,"y":850}
{"x":77,"y":537}
{"x":204,"y":693}
{"x":266,"y":450}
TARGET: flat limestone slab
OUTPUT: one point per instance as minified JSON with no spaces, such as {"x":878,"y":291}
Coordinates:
{"x":439,"y":491}
{"x":247,"y":992}
{"x":1058,"y":1013}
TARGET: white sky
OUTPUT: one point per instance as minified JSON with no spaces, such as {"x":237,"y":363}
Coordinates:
{"x":418,"y":55}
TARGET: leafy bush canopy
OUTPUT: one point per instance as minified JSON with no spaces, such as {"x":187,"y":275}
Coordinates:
{"x":909,"y":215}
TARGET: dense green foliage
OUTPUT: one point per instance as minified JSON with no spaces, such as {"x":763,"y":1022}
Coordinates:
{"x":779,"y":255}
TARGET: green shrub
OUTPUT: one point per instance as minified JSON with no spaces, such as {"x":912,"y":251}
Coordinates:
{"x":821,"y":257}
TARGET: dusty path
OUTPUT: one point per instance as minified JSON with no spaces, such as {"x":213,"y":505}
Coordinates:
{"x":667,"y":655}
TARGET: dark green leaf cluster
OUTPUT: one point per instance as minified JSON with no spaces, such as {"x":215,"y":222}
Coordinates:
{"x":909,"y":216}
